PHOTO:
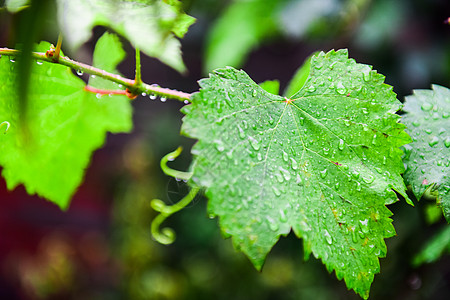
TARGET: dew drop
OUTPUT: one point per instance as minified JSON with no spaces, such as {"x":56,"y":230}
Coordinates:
{"x":93,"y":76}
{"x":340,"y":88}
{"x":447,"y":142}
{"x":218,"y":144}
{"x":39,"y":63}
{"x":358,"y":187}
{"x":294,"y":163}
{"x":241,"y":132}
{"x":163,"y":99}
{"x":323,"y":173}
{"x":254,"y":143}
{"x":272,"y":224}
{"x":366,"y":75}
{"x":285,"y":156}
{"x":152,"y":96}
{"x":254,"y":93}
{"x":276,"y":191}
{"x":299,"y":180}
{"x":341,"y":144}
{"x":285,"y":173}
{"x":326,"y":151}
{"x":434,"y":141}
{"x":426,"y":106}
{"x":144,"y":94}
{"x":271,"y":120}
{"x":336,"y":186}
{"x":12,"y":60}
{"x":98,"y":95}
{"x":369,"y":179}
{"x":311,"y":88}
{"x":186,"y":101}
{"x":327,"y":236}
{"x":364,"y":225}
{"x":302,"y":121}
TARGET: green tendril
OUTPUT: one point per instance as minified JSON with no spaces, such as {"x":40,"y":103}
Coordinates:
{"x":171,"y":172}
{"x":167,"y":235}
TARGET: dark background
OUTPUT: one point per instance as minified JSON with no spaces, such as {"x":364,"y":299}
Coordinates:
{"x":101,"y":247}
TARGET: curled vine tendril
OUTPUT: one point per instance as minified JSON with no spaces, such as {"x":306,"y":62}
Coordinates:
{"x":167,"y":235}
{"x":6,"y":123}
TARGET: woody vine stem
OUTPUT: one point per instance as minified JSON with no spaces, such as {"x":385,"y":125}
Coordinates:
{"x":134,"y":87}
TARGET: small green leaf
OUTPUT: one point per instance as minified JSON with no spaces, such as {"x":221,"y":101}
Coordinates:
{"x":243,"y":26}
{"x":299,"y":78}
{"x":324,"y":162}
{"x":108,"y":54}
{"x":428,"y":157}
{"x":271,"y":86}
{"x":65,"y":125}
{"x":150,"y":26}
{"x":435,"y":248}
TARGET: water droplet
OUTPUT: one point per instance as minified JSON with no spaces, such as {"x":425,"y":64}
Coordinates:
{"x":426,"y":106}
{"x":323,"y":173}
{"x":434,"y":141}
{"x":279,"y":177}
{"x":218,"y":144}
{"x":374,"y":139}
{"x":294,"y":163}
{"x":259,"y":156}
{"x":416,"y":123}
{"x":12,"y":60}
{"x":285,"y":156}
{"x":276,"y":191}
{"x":254,"y":93}
{"x":271,"y":120}
{"x":272,"y":224}
{"x":447,"y":142}
{"x":369,"y":179}
{"x":311,"y":88}
{"x":445,"y":115}
{"x":384,"y":160}
{"x":152,"y":96}
{"x":299,"y":180}
{"x":327,"y":236}
{"x":366,"y":74}
{"x":38,"y":62}
{"x":186,"y":101}
{"x":98,"y":95}
{"x":336,"y":186}
{"x":144,"y":94}
{"x":364,"y":225}
{"x":254,"y":143}
{"x":80,"y":72}
{"x":241,"y":132}
{"x":93,"y":76}
{"x":358,"y":187}
{"x":340,"y":88}
{"x":163,"y":99}
{"x":285,"y":173}
{"x":302,"y":121}
{"x":326,"y":151}
{"x":341,"y":144}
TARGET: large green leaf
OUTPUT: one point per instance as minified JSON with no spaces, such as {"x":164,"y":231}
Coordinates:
{"x":428,"y":157}
{"x":152,"y":26}
{"x":324,"y":162}
{"x":65,"y":124}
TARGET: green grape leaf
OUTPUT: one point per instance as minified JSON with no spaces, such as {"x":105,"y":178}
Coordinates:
{"x":65,"y":124}
{"x":16,"y":5}
{"x":324,"y":162}
{"x":435,"y":248}
{"x":152,"y":26}
{"x":243,"y":26}
{"x":271,"y":86}
{"x":299,"y":78}
{"x":427,"y":158}
{"x":107,"y":55}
